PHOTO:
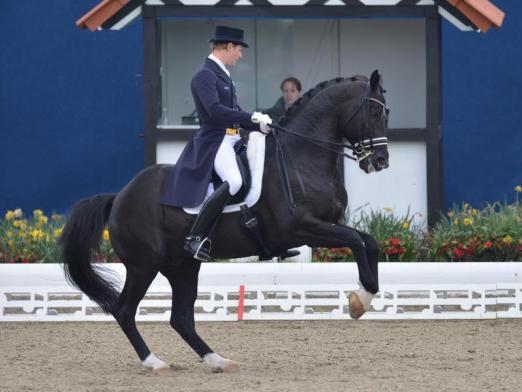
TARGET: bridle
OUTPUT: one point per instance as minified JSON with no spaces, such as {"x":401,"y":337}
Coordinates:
{"x":362,"y":149}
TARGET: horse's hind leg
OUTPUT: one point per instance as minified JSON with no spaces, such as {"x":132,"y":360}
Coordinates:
{"x":184,"y":281}
{"x":136,"y":284}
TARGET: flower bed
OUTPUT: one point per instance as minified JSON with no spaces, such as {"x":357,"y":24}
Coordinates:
{"x":34,"y":239}
{"x":464,"y":233}
{"x":493,"y":233}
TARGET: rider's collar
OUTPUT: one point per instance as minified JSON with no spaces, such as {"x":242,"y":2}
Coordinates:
{"x":220,"y":63}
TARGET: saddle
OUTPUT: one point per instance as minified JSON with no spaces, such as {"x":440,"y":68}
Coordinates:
{"x":249,"y":222}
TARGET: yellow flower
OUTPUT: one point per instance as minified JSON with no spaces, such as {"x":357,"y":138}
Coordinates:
{"x":507,"y":239}
{"x":42,"y":220}
{"x":37,"y":234}
{"x":20,"y":224}
{"x":466,"y":206}
{"x":17,"y":213}
{"x":10,"y":243}
{"x":456,"y":222}
{"x":474,"y":211}
{"x":55,"y":217}
{"x":388,"y":209}
{"x":37,"y":214}
{"x":106,"y":236}
{"x":518,"y":188}
{"x":9,"y":234}
{"x":468,"y":221}
{"x":405,"y":225}
{"x":9,"y":215}
{"x":450,"y":214}
{"x":58,"y":232}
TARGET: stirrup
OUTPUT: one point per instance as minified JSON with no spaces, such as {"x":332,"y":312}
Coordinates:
{"x":202,"y":252}
{"x":205,"y":255}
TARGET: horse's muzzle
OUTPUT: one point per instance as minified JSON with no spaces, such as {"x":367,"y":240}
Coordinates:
{"x":381,"y":163}
{"x":375,"y":162}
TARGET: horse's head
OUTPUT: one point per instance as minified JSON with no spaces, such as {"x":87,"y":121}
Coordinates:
{"x":363,"y":121}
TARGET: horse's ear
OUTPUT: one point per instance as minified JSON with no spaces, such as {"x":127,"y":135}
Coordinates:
{"x":374,"y":80}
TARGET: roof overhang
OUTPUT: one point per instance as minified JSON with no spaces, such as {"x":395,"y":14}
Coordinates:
{"x":467,"y":15}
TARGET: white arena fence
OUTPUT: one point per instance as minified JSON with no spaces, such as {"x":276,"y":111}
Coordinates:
{"x":282,"y":291}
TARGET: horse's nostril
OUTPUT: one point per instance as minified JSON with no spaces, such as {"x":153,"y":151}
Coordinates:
{"x":381,"y":162}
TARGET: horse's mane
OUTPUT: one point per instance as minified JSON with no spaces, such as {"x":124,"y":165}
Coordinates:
{"x":306,"y":97}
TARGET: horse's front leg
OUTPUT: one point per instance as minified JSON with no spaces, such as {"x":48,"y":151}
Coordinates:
{"x":184,"y":282}
{"x":317,"y":233}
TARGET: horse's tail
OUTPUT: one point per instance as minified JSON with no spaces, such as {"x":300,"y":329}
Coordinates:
{"x":80,"y":237}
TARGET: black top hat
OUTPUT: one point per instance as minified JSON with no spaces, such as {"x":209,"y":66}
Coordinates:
{"x":229,"y":34}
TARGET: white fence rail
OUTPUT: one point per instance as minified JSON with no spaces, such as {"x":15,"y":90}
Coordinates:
{"x":283,"y":292}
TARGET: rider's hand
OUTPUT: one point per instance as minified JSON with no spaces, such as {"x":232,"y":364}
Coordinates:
{"x":263,"y":120}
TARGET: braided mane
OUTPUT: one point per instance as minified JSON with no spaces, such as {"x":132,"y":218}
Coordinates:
{"x":306,"y":97}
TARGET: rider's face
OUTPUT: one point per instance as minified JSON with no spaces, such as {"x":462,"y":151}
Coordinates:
{"x":233,"y":53}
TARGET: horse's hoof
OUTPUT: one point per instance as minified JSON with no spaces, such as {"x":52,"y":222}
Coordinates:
{"x":356,"y":307}
{"x":228,"y":367}
{"x":231,"y":367}
{"x":164,"y":370}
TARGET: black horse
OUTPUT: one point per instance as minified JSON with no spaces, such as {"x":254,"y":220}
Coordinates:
{"x":149,"y":237}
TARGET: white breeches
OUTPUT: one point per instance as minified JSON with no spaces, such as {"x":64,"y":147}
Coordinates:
{"x":225,"y":163}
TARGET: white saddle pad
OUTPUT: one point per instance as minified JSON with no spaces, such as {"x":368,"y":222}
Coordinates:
{"x":256,"y":160}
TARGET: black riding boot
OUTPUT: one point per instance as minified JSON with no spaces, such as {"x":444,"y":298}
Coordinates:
{"x":197,"y":242}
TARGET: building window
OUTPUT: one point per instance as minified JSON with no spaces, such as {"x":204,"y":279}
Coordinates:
{"x":313,"y":50}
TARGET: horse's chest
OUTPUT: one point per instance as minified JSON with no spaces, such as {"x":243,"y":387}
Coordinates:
{"x":329,"y":201}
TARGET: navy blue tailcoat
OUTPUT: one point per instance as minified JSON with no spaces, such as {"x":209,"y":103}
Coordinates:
{"x":215,"y":99}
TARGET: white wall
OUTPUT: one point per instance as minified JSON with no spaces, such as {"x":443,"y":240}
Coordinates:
{"x":402,"y":187}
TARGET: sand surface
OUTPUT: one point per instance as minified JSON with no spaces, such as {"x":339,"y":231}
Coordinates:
{"x":274,"y":356}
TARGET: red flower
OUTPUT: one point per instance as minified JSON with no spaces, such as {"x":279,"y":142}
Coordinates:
{"x":488,"y":244}
{"x":520,"y":247}
{"x":459,"y":253}
{"x":394,"y":241}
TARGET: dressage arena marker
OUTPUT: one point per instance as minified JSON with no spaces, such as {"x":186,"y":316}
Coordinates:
{"x":293,"y":291}
{"x":241,"y":302}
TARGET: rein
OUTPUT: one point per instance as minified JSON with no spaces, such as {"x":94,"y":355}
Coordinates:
{"x":317,"y":141}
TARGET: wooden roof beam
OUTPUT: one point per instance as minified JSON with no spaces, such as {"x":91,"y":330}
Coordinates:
{"x":100,"y":14}
{"x":482,"y":13}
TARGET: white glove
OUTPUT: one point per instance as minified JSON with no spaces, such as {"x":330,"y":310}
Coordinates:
{"x":263,"y":120}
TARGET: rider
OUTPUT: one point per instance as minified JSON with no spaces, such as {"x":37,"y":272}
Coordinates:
{"x":211,"y":147}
